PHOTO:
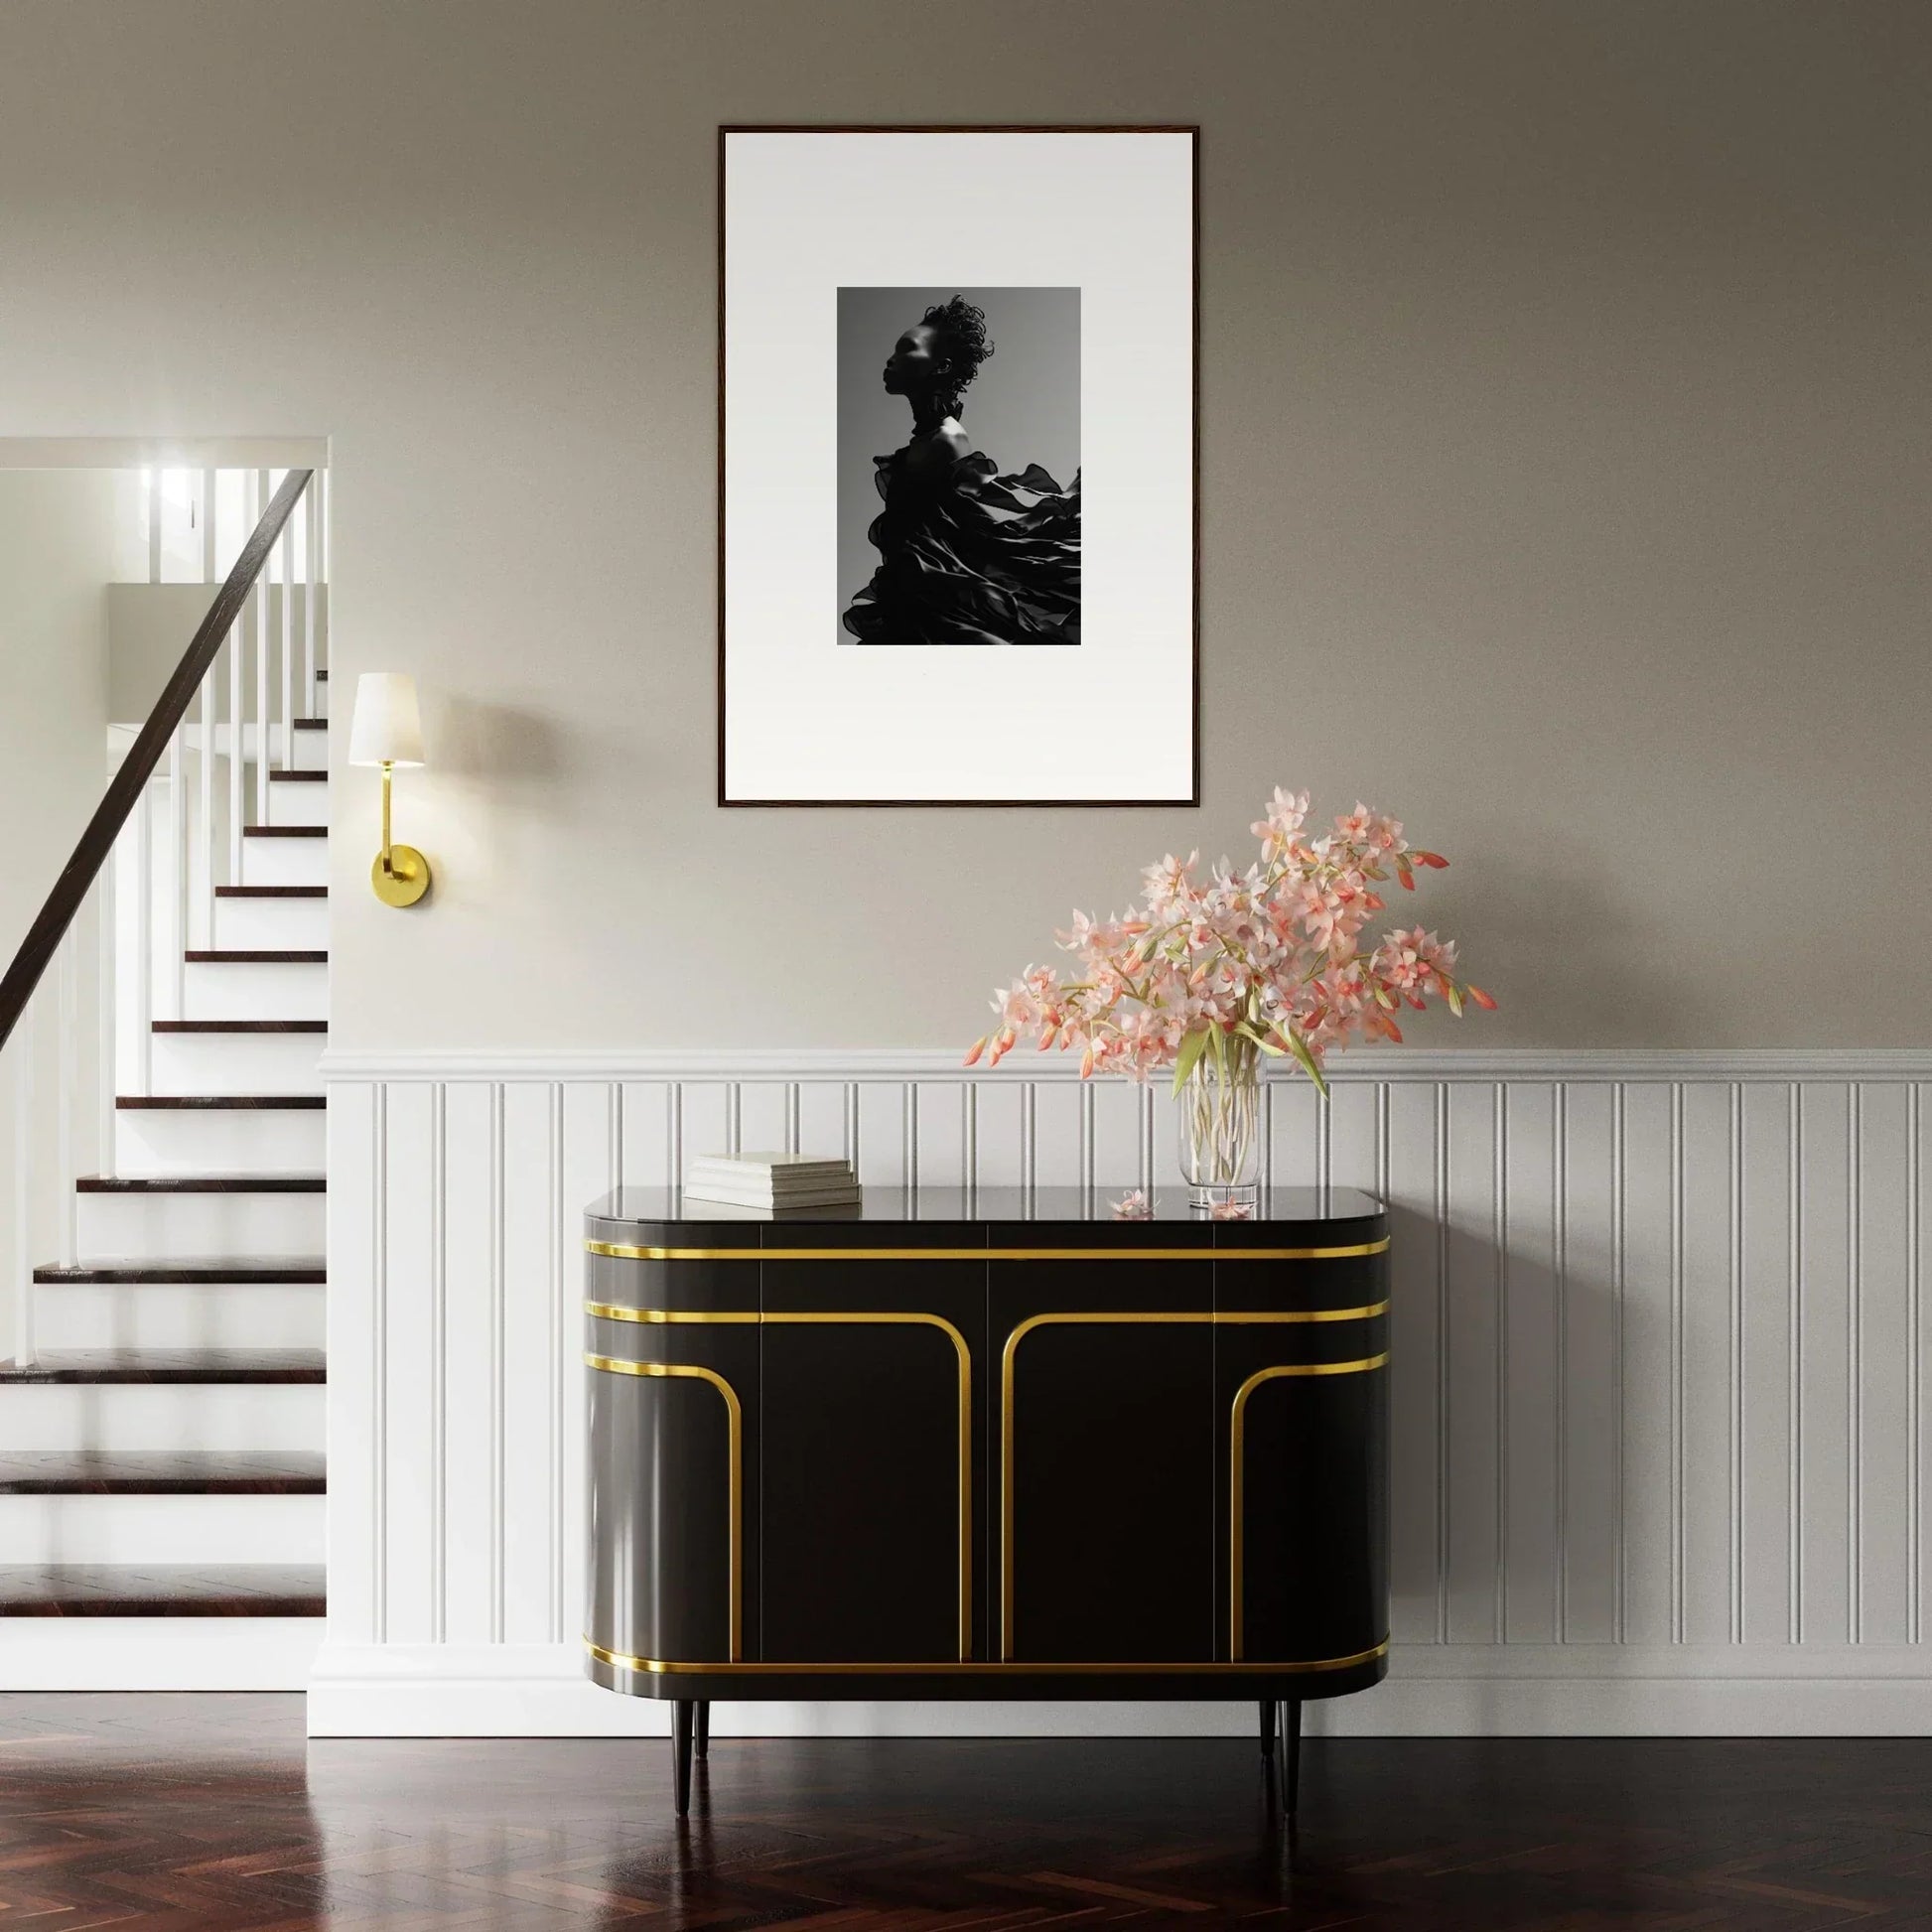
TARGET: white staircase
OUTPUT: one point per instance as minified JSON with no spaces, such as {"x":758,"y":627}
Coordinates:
{"x":162,"y":1481}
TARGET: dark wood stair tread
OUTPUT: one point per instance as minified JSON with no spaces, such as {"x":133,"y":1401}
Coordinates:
{"x":311,"y":724}
{"x":298,"y":778}
{"x":240,"y":1025}
{"x":271,"y":891}
{"x":303,"y":1103}
{"x":122,"y":1271}
{"x":251,"y":956}
{"x":201,"y":1184}
{"x":162,"y":1589}
{"x":200,"y":1365}
{"x":162,"y":1472}
{"x":285,"y":831}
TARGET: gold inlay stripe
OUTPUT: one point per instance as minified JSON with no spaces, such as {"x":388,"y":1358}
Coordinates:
{"x":734,"y":1430}
{"x":610,"y":1313}
{"x":618,"y":1251}
{"x":614,"y":1311}
{"x":1024,"y":1329}
{"x":1237,"y":1472}
{"x":1221,"y":1318}
{"x":659,"y":1667}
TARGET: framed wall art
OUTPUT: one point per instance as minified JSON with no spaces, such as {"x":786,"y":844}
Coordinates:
{"x":958,"y":556}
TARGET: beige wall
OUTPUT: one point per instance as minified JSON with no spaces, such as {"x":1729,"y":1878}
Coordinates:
{"x":1565,"y":473}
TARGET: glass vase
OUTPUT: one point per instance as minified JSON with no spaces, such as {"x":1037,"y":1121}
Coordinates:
{"x":1220,"y":1132}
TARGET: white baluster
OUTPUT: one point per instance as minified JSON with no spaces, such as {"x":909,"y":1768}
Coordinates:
{"x":266,"y":489}
{"x":287,"y":548}
{"x":143,"y":944}
{"x":178,"y":883}
{"x":209,"y":564}
{"x":312,"y":575}
{"x":105,"y":996}
{"x":23,"y":1269}
{"x":237,"y":658}
{"x":204,"y":858}
{"x":154,"y":524}
{"x":69,"y":1079}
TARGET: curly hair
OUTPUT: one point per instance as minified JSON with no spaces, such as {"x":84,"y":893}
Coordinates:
{"x":959,"y":339}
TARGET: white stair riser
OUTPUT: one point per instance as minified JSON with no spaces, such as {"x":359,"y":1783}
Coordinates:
{"x":256,"y":990}
{"x":162,"y":1416}
{"x":169,"y":1226}
{"x":216,"y":1314}
{"x":238,"y":1062}
{"x":298,"y":804}
{"x":162,"y":1529}
{"x":285,"y":861}
{"x":273,"y":924}
{"x":218,"y":1140}
{"x":311,"y":751}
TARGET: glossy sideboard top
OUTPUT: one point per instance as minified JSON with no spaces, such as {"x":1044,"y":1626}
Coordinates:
{"x":1327,"y":1212}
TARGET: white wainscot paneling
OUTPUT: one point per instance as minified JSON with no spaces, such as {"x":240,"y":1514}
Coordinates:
{"x":1657,"y":1461}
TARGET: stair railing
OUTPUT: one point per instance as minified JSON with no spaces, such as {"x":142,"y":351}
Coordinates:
{"x":238,"y":620}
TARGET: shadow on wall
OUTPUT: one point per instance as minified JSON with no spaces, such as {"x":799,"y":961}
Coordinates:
{"x":1571,"y":954}
{"x":496,"y":772}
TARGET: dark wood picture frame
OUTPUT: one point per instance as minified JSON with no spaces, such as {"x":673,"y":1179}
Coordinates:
{"x":1193,"y":799}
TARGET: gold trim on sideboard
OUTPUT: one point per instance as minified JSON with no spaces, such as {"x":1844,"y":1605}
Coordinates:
{"x":733,"y":1423}
{"x":1237,"y":1472}
{"x":618,"y":1251}
{"x":616,"y":1311}
{"x":658,"y":1667}
{"x":1214,"y":1316}
{"x":608,"y":1312}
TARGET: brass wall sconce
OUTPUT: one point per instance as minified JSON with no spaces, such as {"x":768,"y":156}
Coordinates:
{"x":388,"y":730}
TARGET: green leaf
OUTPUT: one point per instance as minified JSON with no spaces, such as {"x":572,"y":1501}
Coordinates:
{"x":1456,"y":1000}
{"x":1262,"y":1041}
{"x":1190,"y":1053}
{"x":1299,"y":1048}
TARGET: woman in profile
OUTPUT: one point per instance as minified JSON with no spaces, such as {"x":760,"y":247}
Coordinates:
{"x":967,"y":556}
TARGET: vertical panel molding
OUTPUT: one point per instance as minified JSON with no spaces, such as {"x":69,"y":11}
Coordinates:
{"x":1629,"y":1437}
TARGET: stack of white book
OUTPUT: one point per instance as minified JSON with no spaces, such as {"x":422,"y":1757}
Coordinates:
{"x":772,"y":1181}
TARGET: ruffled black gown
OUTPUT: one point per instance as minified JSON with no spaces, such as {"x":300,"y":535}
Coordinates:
{"x":970,"y":557}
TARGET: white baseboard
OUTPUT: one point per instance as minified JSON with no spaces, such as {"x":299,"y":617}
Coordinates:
{"x":157,"y":1653}
{"x":1447,"y":1690}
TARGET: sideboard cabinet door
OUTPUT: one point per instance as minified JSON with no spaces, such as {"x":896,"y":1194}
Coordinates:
{"x":1104,"y":1531}
{"x":874,"y":1416}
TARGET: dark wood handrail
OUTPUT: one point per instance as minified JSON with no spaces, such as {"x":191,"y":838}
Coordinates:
{"x":71,"y":888}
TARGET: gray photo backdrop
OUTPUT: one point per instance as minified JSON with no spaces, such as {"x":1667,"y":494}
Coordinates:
{"x":1024,"y":406}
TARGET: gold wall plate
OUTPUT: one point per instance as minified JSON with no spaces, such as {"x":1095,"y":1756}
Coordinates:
{"x":404,"y":879}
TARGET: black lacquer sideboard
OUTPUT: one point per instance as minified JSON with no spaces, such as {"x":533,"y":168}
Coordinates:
{"x":987,"y":1445}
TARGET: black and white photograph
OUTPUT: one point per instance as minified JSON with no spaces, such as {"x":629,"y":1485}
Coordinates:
{"x":957,"y":429}
{"x":944,"y":538}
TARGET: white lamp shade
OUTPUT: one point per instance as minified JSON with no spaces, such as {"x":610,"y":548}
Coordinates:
{"x":387,"y":729}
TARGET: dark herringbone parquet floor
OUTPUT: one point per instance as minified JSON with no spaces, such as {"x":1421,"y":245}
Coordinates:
{"x":211,"y":1812}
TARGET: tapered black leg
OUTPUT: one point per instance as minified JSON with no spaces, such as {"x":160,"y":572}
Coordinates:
{"x":681,"y":1716}
{"x":704,"y":1729}
{"x":1268,"y":1726}
{"x":1290,"y":1756}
